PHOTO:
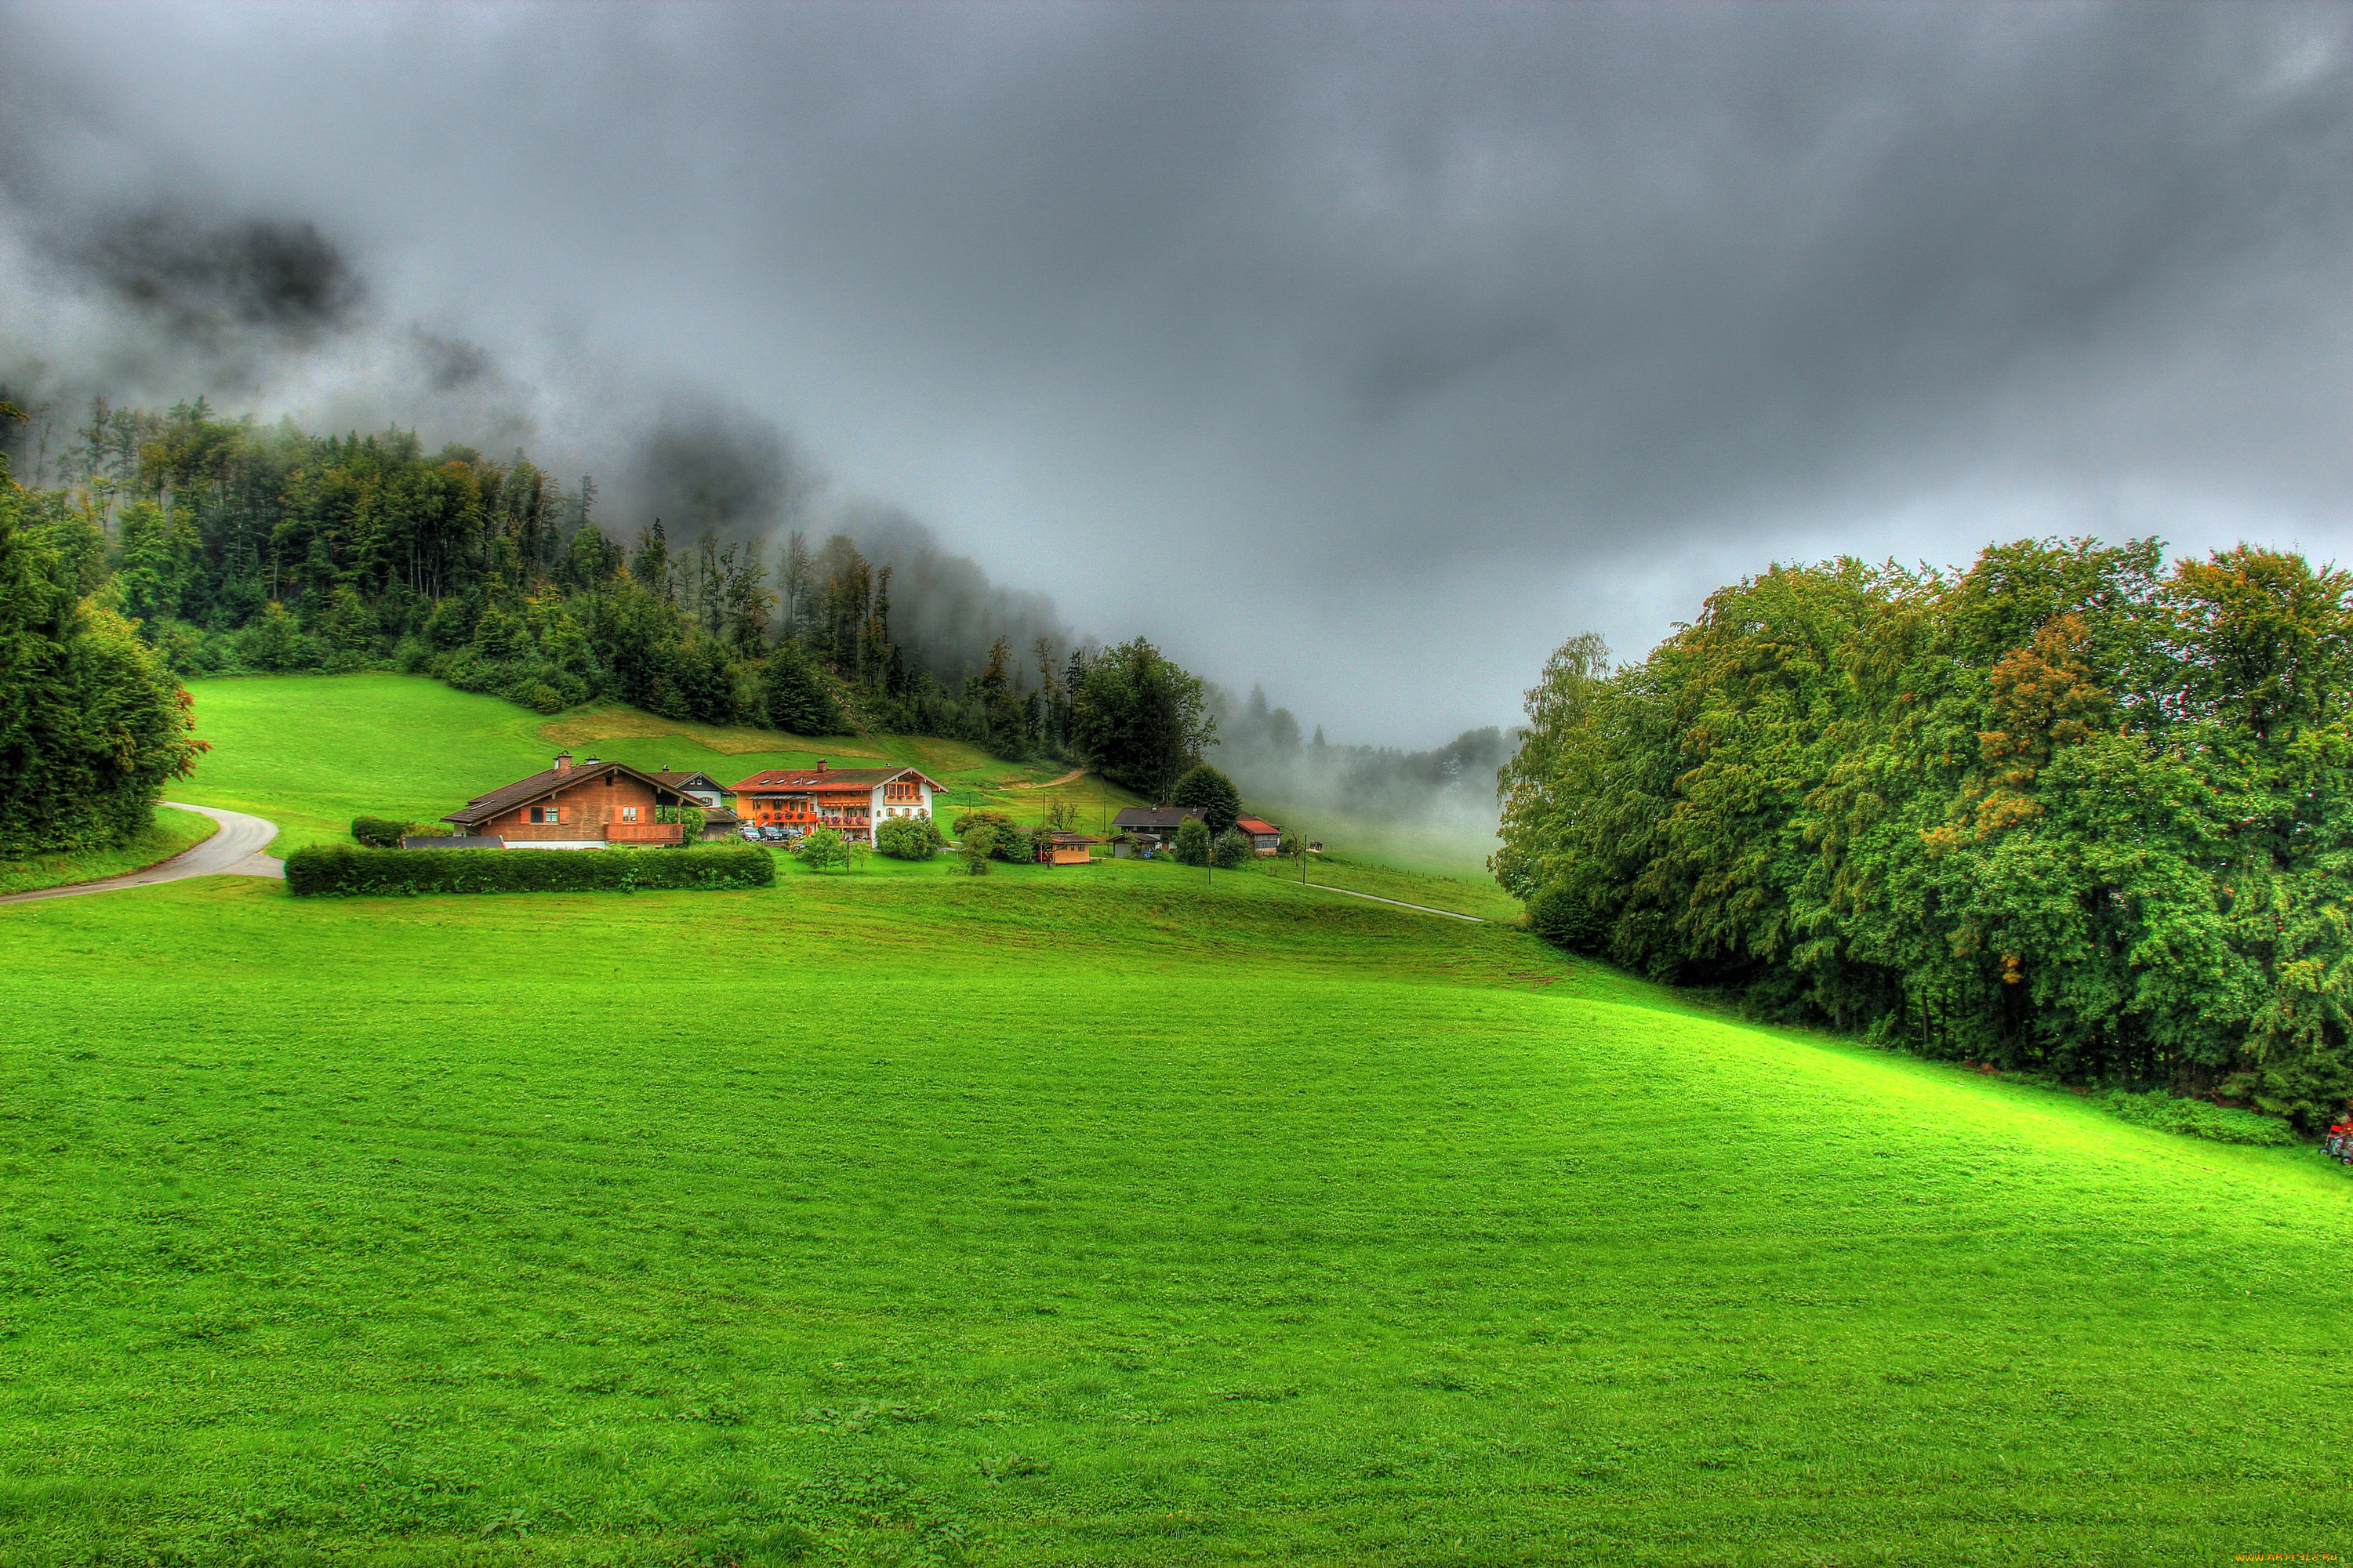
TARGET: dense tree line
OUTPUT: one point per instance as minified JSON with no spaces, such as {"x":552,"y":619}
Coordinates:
{"x":2070,"y":810}
{"x":231,"y":546}
{"x":93,"y":723}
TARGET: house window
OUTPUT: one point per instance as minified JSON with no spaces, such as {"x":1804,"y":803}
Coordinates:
{"x":628,"y":814}
{"x":546,"y":814}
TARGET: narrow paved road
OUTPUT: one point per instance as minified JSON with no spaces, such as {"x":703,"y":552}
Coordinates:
{"x":1425,"y":909}
{"x":234,"y":851}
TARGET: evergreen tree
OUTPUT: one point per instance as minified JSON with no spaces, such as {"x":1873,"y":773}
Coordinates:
{"x":793,"y":698}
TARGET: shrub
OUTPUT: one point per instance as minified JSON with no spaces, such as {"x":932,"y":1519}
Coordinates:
{"x":1008,"y":839}
{"x":908,"y":839}
{"x":1232,"y":849}
{"x":277,"y":642}
{"x":972,"y":856}
{"x":332,"y":870}
{"x":2197,"y":1119}
{"x":825,"y":849}
{"x":540,"y":697}
{"x":380,"y":832}
{"x":1563,"y":918}
{"x":995,"y":823}
{"x":1193,"y":842}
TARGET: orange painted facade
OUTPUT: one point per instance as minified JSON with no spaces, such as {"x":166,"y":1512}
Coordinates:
{"x":852,"y":800}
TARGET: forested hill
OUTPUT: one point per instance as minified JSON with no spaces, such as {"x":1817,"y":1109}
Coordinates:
{"x":235,"y":546}
{"x":2070,"y":810}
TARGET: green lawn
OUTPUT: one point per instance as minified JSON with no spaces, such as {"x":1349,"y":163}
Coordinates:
{"x":174,"y":831}
{"x":1083,"y":1216}
{"x":1465,"y":893}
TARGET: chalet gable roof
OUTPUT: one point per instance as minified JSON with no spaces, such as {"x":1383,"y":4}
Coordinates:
{"x":823,"y":778}
{"x":540,"y":786}
{"x":677,"y":780}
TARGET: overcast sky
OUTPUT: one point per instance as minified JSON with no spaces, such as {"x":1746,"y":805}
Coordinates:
{"x":1364,"y":351}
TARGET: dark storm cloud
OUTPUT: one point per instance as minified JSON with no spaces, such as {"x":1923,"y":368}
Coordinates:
{"x":205,"y":282}
{"x":1365,"y":351}
{"x":705,"y":465}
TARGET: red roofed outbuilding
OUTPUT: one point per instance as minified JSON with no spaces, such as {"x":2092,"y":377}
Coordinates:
{"x":1265,"y":837}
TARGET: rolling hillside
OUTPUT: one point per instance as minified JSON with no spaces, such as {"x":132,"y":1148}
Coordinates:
{"x":1098,"y":1215}
{"x":311,"y":753}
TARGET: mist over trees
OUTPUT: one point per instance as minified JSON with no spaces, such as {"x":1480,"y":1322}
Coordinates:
{"x":2070,"y":810}
{"x":1447,"y":793}
{"x":231,"y":545}
{"x":239,"y":545}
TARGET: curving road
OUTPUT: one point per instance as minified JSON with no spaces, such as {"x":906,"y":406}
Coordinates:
{"x":235,"y":851}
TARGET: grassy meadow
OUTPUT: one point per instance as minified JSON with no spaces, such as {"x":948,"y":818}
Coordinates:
{"x":173,"y":833}
{"x":312,"y":752}
{"x":1093,"y":1215}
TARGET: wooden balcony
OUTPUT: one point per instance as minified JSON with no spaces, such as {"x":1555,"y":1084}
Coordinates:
{"x":644,"y":832}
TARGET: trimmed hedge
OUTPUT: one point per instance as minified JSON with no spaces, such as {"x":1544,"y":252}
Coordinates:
{"x":382,"y":832}
{"x":332,"y":870}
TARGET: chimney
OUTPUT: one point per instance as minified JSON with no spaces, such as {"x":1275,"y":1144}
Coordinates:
{"x":563,"y":762}
{"x":820,"y":764}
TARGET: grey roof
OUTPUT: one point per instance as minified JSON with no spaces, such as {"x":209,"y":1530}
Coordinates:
{"x":431,"y":843}
{"x":677,"y":780}
{"x":1153,"y":816}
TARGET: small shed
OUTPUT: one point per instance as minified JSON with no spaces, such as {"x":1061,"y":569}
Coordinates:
{"x":1065,"y":849}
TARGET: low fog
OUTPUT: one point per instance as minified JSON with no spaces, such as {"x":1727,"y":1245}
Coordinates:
{"x":1357,"y":352}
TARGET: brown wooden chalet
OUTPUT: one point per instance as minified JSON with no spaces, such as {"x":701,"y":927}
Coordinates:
{"x":583,"y":807}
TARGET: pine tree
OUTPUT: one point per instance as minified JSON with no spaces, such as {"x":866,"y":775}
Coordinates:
{"x":794,"y":699}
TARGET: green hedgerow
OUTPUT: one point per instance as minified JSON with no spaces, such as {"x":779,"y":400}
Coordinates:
{"x":336,"y":871}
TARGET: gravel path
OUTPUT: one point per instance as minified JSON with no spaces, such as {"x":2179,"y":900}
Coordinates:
{"x":235,"y":851}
